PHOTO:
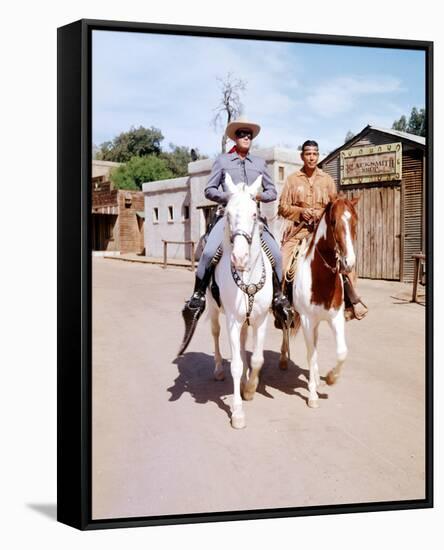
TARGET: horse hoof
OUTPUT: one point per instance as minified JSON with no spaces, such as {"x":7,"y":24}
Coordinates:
{"x":331,"y":378}
{"x":248,"y":395}
{"x":313,"y":403}
{"x":219,"y":374}
{"x":238,"y":421}
{"x":283,"y":364}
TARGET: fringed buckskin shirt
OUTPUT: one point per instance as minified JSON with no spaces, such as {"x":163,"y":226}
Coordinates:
{"x":298,"y":194}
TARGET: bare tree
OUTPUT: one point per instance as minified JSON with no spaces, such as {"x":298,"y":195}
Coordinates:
{"x":230,"y":106}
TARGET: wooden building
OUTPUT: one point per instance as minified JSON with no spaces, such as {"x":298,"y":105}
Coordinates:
{"x":117,"y":218}
{"x":386,"y":169}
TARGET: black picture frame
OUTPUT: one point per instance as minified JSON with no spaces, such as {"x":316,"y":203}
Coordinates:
{"x":74,"y":273}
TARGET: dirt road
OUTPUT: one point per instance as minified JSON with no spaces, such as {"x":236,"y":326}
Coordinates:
{"x":162,"y":440}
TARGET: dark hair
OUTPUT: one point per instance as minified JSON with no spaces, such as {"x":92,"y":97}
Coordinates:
{"x":309,"y":143}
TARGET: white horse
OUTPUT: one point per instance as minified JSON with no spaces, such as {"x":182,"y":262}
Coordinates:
{"x":318,"y":290}
{"x":245,"y":302}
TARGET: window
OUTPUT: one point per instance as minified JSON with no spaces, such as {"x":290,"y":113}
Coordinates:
{"x":155,"y":215}
{"x":281,"y":173}
{"x":128,"y":200}
{"x":170,"y":214}
{"x":186,"y":212}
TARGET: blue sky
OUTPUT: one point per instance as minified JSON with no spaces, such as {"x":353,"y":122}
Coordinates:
{"x":294,"y":91}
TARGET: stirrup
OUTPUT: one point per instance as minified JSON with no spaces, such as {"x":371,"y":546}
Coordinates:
{"x":282,"y":311}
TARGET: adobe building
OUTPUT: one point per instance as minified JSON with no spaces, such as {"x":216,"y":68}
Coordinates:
{"x":177,"y":210}
{"x":386,"y":169}
{"x":117,"y":215}
{"x":103,"y":167}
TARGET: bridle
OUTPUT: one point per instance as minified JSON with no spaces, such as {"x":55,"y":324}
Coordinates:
{"x":339,"y":263}
{"x":250,"y":289}
{"x":242,"y":233}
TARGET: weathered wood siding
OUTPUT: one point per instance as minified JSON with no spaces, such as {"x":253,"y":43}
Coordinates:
{"x":412,"y":211}
{"x":377,"y":242}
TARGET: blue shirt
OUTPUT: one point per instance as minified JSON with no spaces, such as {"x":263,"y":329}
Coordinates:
{"x":241,"y":171}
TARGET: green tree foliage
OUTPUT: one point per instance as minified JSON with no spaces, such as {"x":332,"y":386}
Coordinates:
{"x":400,"y":125}
{"x":414,"y":125}
{"x":178,"y":157}
{"x":417,"y":122}
{"x":136,"y":142}
{"x":140,"y":151}
{"x":139,"y":170}
{"x":95,"y":151}
{"x":349,"y":135}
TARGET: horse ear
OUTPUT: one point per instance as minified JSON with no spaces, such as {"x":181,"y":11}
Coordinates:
{"x":355,"y":200}
{"x":253,"y":189}
{"x":232,"y":187}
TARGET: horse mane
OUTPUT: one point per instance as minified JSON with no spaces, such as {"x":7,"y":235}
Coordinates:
{"x":325,"y":213}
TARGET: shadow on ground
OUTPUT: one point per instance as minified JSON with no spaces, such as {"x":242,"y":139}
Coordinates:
{"x":196,"y":378}
{"x":48,"y":510}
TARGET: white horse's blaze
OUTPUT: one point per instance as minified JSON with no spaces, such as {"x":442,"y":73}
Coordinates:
{"x":240,"y":215}
{"x":350,"y":257}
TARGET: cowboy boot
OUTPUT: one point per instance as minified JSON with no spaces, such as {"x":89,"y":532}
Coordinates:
{"x":288,"y":290}
{"x":354,"y":306}
{"x":194,"y":307}
{"x":281,"y":307}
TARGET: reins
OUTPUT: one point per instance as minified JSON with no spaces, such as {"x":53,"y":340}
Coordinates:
{"x":334,"y":269}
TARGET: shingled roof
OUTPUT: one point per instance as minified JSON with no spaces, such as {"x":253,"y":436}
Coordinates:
{"x":405,"y":136}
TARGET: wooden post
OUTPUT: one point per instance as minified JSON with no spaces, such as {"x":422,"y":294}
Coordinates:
{"x":418,"y":259}
{"x":165,"y":254}
{"x":165,"y":244}
{"x":192,"y":255}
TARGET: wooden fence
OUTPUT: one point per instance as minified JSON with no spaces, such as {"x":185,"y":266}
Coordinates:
{"x":165,"y":251}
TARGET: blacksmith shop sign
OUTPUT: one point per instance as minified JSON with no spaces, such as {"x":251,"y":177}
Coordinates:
{"x":372,"y":164}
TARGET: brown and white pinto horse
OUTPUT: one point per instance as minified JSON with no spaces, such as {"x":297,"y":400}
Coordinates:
{"x":318,"y":289}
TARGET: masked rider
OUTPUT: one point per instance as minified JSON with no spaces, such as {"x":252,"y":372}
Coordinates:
{"x":243,"y":167}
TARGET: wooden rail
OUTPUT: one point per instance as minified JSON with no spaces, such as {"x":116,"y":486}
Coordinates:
{"x":419,"y":262}
{"x":165,"y":251}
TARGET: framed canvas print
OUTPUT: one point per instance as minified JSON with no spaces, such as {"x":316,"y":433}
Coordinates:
{"x":245,"y":280}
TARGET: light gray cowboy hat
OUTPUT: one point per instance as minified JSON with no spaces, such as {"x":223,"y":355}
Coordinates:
{"x":242,"y":122}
